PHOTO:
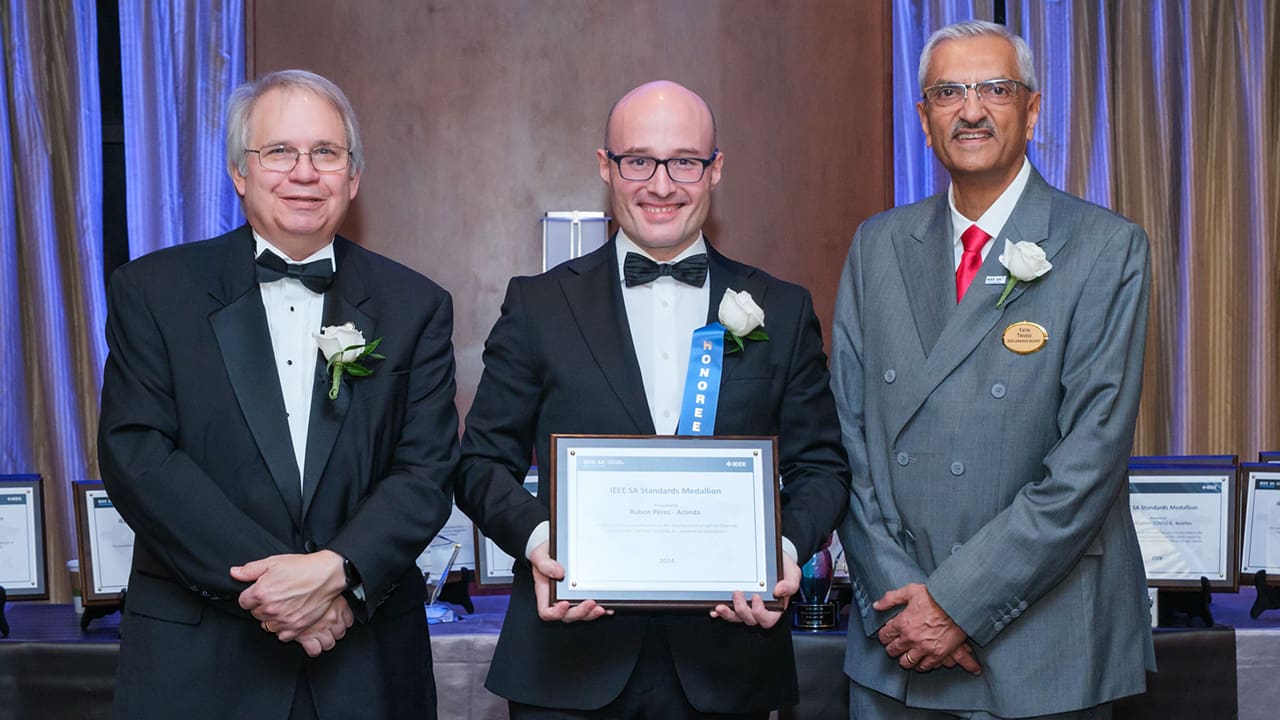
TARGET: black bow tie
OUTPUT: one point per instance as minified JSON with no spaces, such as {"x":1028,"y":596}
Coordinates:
{"x":638,"y":270}
{"x":315,"y":276}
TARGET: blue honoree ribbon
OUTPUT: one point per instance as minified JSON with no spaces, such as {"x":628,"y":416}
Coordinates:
{"x":702,"y":384}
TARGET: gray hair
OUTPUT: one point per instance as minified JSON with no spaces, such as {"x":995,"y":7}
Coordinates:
{"x":246,"y":96}
{"x":980,"y":28}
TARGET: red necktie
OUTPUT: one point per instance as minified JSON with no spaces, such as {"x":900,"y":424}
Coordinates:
{"x":973,"y":240}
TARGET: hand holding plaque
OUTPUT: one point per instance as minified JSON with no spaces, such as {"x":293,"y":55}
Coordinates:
{"x":545,"y":570}
{"x":757,"y":612}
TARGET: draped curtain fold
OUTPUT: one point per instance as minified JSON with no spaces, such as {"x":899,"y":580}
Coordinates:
{"x":1167,"y":112}
{"x":51,"y":296}
{"x":179,"y":63}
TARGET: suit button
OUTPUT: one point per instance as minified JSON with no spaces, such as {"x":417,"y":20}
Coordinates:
{"x":957,"y":468}
{"x":998,"y":626}
{"x":890,"y":375}
{"x":956,"y":548}
{"x":309,"y":546}
{"x":903,"y":459}
{"x":1015,"y":613}
{"x":997,"y":390}
{"x":1022,"y":605}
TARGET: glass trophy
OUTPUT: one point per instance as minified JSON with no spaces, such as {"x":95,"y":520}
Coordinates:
{"x":438,"y":612}
{"x":816,"y":611}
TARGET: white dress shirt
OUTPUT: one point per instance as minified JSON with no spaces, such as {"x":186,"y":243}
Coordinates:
{"x":294,"y":316}
{"x":663,"y":315}
{"x":993,"y":220}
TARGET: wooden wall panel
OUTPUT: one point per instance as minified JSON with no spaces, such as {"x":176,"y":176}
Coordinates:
{"x":479,"y":115}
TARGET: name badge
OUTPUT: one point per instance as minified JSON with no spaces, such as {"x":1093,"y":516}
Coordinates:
{"x":997,"y":279}
{"x":1025,"y":337}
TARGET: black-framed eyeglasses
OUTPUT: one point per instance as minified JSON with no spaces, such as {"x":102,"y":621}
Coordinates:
{"x":1000,"y":91}
{"x":283,"y":158}
{"x":639,"y":168}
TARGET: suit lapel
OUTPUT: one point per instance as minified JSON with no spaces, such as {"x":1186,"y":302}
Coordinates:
{"x":976,"y":315}
{"x":240,"y":327}
{"x":727,"y":275}
{"x":925,"y":262}
{"x":593,"y":291}
{"x":341,"y":305}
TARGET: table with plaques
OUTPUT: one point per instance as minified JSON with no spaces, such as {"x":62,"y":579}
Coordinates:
{"x":49,"y":668}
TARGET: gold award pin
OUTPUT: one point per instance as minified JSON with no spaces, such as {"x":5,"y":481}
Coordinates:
{"x":1025,"y":337}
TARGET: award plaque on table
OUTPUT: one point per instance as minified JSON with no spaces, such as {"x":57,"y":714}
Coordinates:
{"x":23,"y":567}
{"x":1160,"y":461}
{"x":1261,"y":546}
{"x":665,"y":522}
{"x":106,"y":545}
{"x":1186,"y":517}
{"x":1268,"y":457}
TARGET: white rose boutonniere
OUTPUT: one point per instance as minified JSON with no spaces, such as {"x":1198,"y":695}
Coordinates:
{"x":742,"y":319}
{"x":1024,"y":261}
{"x":343,"y":346}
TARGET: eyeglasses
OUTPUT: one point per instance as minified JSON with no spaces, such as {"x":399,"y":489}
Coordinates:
{"x":1000,"y":91}
{"x":283,"y":158}
{"x":640,"y":168}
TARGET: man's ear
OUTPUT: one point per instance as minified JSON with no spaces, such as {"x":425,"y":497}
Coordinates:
{"x":716,"y":166}
{"x":602,"y":157}
{"x":236,"y":178}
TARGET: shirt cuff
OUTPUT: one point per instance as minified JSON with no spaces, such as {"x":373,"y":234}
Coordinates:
{"x":789,"y":549}
{"x":541,"y":534}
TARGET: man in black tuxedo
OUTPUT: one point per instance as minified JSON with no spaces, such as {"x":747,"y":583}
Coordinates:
{"x":580,"y":350}
{"x":269,"y":517}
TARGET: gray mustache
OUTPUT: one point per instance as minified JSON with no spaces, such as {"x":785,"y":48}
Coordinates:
{"x":983,"y":124}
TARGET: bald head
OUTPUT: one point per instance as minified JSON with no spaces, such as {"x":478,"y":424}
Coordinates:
{"x":657,"y":124}
{"x":661,"y":97}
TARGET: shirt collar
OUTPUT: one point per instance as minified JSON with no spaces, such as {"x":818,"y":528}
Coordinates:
{"x":993,"y":220}
{"x":325,"y":253}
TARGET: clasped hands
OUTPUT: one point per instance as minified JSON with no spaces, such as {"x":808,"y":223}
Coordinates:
{"x":752,"y":613}
{"x":923,"y":637}
{"x":298,"y":598}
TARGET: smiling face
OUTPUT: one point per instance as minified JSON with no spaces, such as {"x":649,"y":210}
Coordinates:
{"x":297,"y":211}
{"x":978,"y":144}
{"x":660,"y":120}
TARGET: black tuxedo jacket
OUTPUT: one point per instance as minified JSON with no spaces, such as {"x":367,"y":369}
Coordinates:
{"x":195,"y":452}
{"x":560,"y":359}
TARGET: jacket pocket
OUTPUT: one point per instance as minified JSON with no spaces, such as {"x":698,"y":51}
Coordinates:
{"x":163,"y":600}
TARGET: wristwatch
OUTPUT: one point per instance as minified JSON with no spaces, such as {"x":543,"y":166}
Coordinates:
{"x":352,"y":575}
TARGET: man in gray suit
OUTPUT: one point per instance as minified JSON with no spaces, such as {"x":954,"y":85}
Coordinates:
{"x":988,"y":410}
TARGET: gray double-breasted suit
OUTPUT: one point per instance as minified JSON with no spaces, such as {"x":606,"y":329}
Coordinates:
{"x":998,"y":479}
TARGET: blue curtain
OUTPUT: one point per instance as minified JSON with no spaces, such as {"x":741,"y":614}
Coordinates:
{"x":51,"y":295}
{"x":179,"y":63}
{"x":916,"y":174}
{"x":1166,"y":111}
